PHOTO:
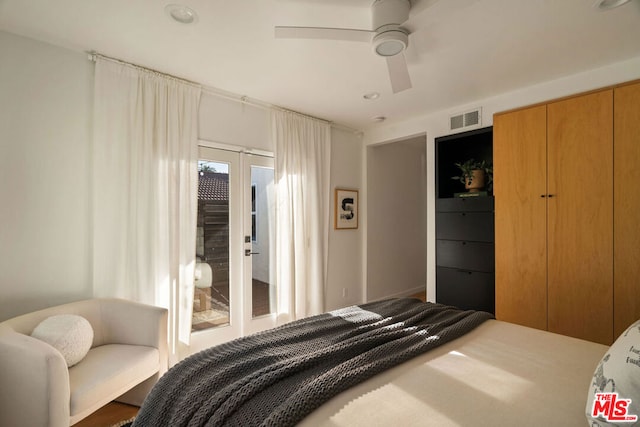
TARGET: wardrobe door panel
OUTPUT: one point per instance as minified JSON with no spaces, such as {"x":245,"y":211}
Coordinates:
{"x":626,"y":207}
{"x":580,"y":215}
{"x":519,"y":158}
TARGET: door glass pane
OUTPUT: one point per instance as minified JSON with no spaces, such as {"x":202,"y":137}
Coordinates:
{"x":211,"y":305}
{"x":262,"y":242}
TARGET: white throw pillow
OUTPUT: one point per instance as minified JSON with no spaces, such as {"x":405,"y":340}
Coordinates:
{"x":618,"y":372}
{"x":70,"y":334}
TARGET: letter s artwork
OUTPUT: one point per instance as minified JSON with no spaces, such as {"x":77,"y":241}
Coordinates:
{"x":346,"y":209}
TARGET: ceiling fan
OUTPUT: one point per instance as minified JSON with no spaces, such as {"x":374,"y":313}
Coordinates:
{"x":388,"y":38}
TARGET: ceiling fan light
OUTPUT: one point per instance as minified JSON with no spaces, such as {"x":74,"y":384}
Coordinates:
{"x":390,"y":43}
{"x":609,"y":4}
{"x":389,"y":48}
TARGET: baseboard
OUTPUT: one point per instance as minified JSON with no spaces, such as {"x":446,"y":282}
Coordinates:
{"x":405,"y":293}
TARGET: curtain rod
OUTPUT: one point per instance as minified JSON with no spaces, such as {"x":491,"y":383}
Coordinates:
{"x":92,"y":56}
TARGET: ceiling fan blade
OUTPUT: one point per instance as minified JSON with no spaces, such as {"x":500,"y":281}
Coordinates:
{"x":324,"y":33}
{"x":398,"y":73}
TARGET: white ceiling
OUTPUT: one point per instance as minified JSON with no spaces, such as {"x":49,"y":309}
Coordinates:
{"x":459,"y":50}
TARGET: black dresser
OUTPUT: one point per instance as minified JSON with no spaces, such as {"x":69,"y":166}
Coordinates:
{"x":465,"y":256}
{"x":465,"y":253}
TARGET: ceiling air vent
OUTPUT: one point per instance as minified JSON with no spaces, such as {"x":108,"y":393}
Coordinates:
{"x":466,"y":120}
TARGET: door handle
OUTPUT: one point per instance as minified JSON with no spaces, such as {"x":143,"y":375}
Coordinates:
{"x":247,"y":252}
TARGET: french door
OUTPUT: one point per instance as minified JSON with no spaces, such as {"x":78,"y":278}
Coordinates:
{"x":235,"y":289}
{"x":259,"y":244}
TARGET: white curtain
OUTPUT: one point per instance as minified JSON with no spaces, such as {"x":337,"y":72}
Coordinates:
{"x":302,"y":168}
{"x":145,"y":187}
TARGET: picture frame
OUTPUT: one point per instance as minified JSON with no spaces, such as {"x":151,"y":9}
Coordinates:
{"x":346,"y":209}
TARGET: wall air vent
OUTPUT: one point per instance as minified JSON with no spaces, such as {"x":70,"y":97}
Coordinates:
{"x":466,"y":120}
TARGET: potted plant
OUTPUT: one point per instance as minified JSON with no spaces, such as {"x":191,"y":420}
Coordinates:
{"x":475,"y":175}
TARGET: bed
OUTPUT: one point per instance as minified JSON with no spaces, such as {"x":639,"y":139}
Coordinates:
{"x":468,"y":370}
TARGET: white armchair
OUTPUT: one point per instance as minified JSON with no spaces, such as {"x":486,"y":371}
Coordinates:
{"x":128,"y":355}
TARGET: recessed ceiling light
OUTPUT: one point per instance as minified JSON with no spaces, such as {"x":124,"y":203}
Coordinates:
{"x":609,"y":4}
{"x":181,"y":14}
{"x":371,"y":95}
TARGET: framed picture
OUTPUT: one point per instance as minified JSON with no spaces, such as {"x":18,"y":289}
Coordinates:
{"x":346,"y":209}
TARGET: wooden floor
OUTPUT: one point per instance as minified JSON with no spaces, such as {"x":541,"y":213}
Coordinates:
{"x":422,"y":296}
{"x":111,"y":414}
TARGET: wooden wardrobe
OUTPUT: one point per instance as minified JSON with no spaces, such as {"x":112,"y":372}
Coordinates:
{"x":560,"y":209}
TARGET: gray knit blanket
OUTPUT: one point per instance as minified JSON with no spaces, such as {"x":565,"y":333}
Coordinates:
{"x":277,"y":377}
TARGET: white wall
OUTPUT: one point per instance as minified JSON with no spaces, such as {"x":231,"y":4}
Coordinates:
{"x":230,"y":122}
{"x":396,"y":219}
{"x":45,"y":170}
{"x":435,"y":125}
{"x":45,"y":133}
{"x":345,"y":246}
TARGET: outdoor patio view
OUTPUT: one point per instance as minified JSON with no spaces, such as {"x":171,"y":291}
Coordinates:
{"x":211,"y":299}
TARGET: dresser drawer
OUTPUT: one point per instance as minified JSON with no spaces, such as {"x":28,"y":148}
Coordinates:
{"x":472,"y":226}
{"x":465,"y":204}
{"x":465,"y":289}
{"x":465,"y":255}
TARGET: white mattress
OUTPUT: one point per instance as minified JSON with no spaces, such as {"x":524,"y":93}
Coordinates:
{"x":500,"y":374}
